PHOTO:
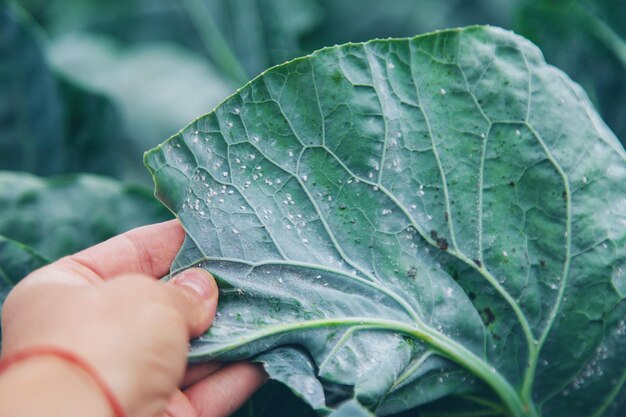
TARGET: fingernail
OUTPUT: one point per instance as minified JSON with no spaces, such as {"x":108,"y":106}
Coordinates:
{"x":197,"y":280}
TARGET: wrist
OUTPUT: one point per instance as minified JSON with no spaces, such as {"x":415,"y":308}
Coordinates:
{"x":49,"y":386}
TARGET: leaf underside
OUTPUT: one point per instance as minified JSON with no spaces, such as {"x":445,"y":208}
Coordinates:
{"x":410,"y":219}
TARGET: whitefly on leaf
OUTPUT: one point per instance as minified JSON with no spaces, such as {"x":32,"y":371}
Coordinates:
{"x":404,"y":220}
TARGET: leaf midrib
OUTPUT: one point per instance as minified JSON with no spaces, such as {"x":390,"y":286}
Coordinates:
{"x":439,"y":342}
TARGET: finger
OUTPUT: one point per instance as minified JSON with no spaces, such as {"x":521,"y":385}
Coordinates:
{"x":222,"y":393}
{"x":194,"y":294}
{"x":200,"y":371}
{"x":147,"y":250}
{"x":180,"y":406}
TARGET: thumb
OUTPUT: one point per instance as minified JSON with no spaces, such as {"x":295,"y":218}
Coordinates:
{"x":194,"y":294}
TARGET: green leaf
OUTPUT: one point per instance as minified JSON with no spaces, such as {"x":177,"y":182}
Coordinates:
{"x":259,"y":33}
{"x":294,"y":369}
{"x":573,"y":33}
{"x":240,"y":37}
{"x":28,"y":92}
{"x":426,"y":217}
{"x":93,"y":134}
{"x":63,"y":215}
{"x":360,"y":20}
{"x":274,"y":400}
{"x":143,"y":81}
{"x":49,"y":125}
{"x":351,"y":409}
{"x":16,"y":261}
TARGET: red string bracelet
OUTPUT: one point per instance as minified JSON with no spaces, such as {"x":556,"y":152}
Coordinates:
{"x":69,"y":357}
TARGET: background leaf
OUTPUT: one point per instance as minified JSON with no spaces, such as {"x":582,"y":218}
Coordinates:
{"x":450,"y":198}
{"x":275,"y":400}
{"x":50,"y":125}
{"x":63,"y":215}
{"x":143,"y":82}
{"x":253,"y":34}
{"x":573,"y":34}
{"x":28,"y":92}
{"x":362,"y":20}
{"x":16,"y":261}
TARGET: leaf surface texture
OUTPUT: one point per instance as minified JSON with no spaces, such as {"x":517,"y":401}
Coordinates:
{"x":425,"y":217}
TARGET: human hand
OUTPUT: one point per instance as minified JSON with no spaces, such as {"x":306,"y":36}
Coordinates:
{"x":105,"y":305}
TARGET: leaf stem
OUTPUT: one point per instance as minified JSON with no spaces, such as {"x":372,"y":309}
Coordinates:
{"x":603,"y":33}
{"x":214,"y":41}
{"x":443,"y":345}
{"x":611,"y":397}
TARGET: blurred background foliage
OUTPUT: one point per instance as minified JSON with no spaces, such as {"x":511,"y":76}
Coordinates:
{"x":99,"y":77}
{"x":87,"y":86}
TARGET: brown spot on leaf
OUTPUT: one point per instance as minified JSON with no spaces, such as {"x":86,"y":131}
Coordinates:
{"x":487,"y":315}
{"x":411,"y":272}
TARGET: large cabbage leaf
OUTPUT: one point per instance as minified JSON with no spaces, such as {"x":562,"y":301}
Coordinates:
{"x":405,"y":220}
